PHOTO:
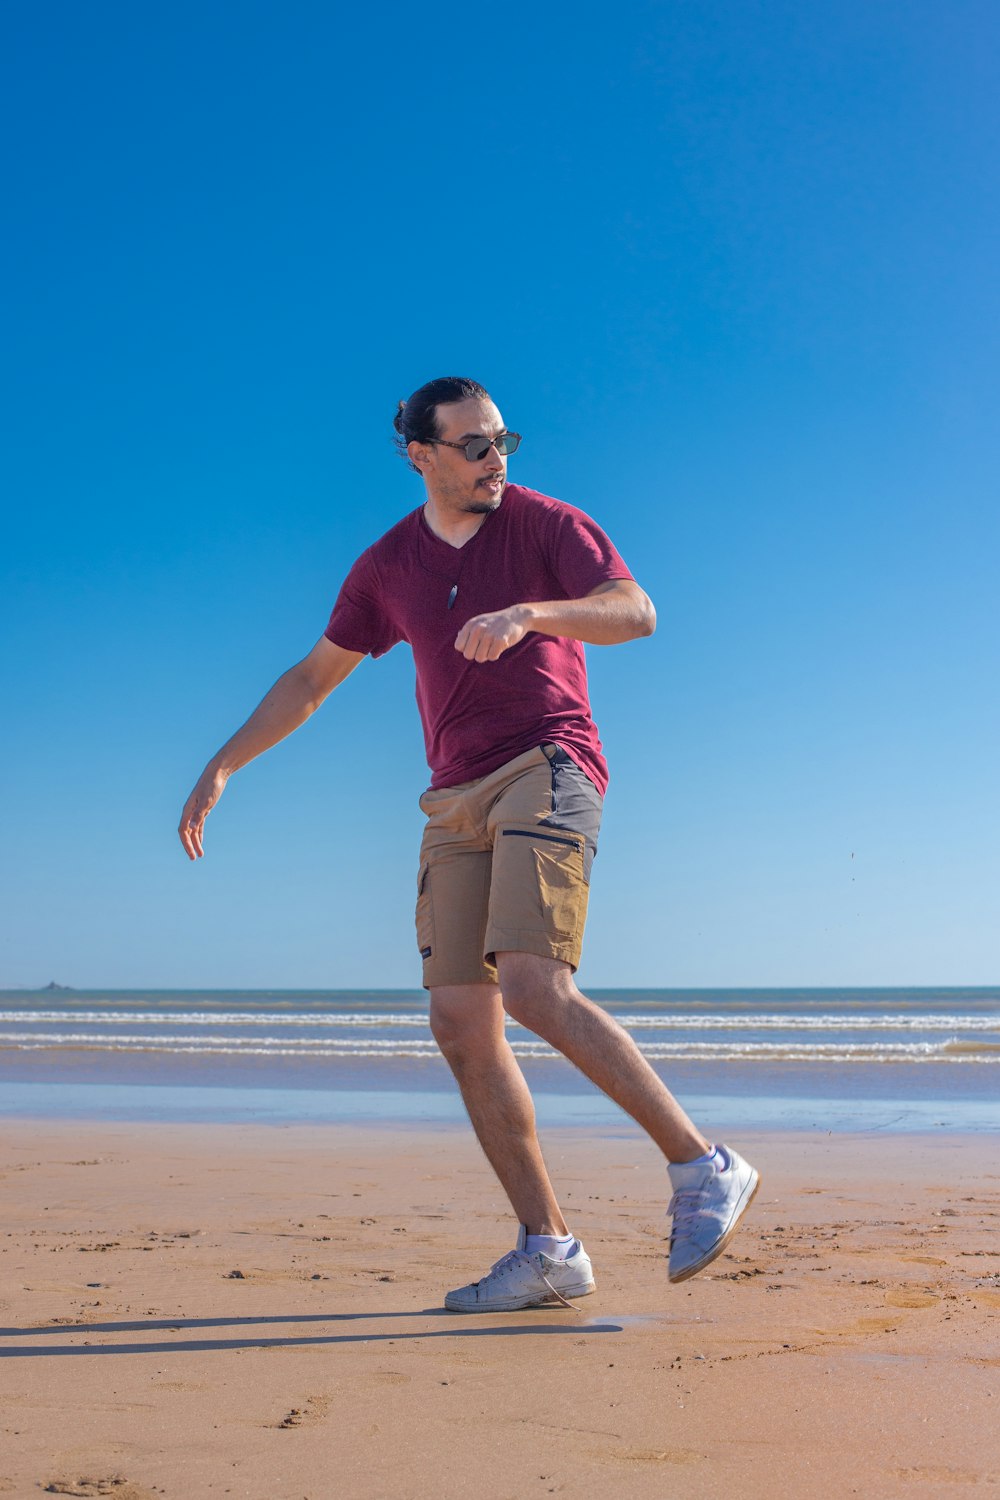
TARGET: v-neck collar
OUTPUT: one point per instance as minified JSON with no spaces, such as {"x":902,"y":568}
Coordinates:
{"x":440,"y":541}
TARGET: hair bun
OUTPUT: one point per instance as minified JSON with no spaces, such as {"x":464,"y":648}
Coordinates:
{"x":416,"y":419}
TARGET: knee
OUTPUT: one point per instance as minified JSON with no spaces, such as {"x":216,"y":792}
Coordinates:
{"x":463,"y":1032}
{"x":447,"y":1030}
{"x":521,"y":1003}
{"x":536,"y":1007}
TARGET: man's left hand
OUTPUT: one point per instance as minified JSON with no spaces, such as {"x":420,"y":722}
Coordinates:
{"x":487,"y":637}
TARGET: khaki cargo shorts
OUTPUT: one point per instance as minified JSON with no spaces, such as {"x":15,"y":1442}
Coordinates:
{"x":505,"y":865}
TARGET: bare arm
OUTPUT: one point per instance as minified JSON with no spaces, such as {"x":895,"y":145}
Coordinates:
{"x":295,"y":695}
{"x":612,"y":613}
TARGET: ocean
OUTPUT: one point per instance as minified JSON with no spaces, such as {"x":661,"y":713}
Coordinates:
{"x":809,"y":1058}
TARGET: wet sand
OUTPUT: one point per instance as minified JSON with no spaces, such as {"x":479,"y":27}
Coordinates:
{"x":257,"y":1311}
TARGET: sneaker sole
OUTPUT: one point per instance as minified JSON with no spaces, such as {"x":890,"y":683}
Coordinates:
{"x":720,"y":1244}
{"x":516,"y":1304}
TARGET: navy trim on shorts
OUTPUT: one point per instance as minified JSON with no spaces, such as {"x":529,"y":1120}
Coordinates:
{"x":576,"y":802}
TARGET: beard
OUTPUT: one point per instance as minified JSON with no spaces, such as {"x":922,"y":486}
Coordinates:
{"x":483,"y":504}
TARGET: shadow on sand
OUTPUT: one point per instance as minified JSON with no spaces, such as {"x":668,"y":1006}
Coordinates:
{"x":455,"y":1329}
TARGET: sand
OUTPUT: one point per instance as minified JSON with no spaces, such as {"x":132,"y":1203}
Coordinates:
{"x":219,"y":1310}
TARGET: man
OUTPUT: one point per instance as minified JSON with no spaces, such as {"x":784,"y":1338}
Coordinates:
{"x":496,"y":588}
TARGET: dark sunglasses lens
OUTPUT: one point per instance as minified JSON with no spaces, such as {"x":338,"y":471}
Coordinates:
{"x":477,"y":449}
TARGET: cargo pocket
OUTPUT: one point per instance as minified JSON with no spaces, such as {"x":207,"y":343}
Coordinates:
{"x":425,"y":912}
{"x":562,"y":891}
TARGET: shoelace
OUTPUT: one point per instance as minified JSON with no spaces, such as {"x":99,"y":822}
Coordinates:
{"x":516,"y":1258}
{"x":685,"y":1204}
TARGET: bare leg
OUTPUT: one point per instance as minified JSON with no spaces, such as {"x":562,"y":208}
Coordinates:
{"x":468,"y":1025}
{"x":542,"y":995}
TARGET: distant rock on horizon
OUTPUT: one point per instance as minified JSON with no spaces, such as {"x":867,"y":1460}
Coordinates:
{"x":53,"y":986}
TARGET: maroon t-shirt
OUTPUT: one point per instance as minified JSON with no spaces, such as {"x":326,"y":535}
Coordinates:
{"x":478,"y":715}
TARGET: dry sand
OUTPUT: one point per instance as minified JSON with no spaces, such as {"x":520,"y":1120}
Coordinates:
{"x":198,"y":1311}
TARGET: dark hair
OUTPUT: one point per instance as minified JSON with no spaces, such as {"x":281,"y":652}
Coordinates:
{"x":416,"y":419}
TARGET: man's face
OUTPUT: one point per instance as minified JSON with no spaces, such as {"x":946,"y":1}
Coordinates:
{"x":452,"y":481}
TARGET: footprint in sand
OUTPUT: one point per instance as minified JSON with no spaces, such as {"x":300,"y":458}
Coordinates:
{"x":911,"y":1297}
{"x":298,"y":1416}
{"x":937,"y":1475}
{"x":110,"y":1484}
{"x":652,"y":1455}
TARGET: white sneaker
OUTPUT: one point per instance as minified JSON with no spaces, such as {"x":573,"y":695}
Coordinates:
{"x":707,"y":1205}
{"x":519,"y":1280}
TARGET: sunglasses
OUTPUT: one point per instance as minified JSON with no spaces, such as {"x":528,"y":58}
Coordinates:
{"x":477,"y":448}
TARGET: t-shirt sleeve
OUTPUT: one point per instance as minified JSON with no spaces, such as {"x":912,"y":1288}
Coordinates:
{"x":359,"y":621}
{"x":582,"y":555}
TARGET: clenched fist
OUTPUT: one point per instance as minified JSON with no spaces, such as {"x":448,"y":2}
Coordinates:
{"x":487,"y":637}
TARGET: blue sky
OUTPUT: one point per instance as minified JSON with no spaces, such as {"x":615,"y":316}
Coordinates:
{"x":731,"y":269}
